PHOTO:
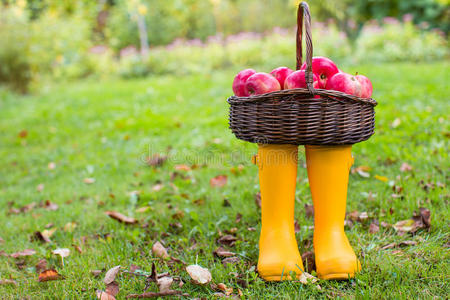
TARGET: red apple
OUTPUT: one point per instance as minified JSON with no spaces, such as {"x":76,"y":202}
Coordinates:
{"x":261,"y":83}
{"x":281,"y":74}
{"x":366,"y":86}
{"x":324,"y":68}
{"x":239,"y":81}
{"x":297,"y":80}
{"x":346,"y":83}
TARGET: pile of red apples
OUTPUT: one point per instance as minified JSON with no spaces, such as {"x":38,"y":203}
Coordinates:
{"x":326,"y":75}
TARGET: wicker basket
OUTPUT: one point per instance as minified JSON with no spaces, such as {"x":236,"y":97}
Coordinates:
{"x":295,"y":116}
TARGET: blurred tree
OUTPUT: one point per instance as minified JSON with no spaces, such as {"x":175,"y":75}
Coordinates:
{"x":350,"y":15}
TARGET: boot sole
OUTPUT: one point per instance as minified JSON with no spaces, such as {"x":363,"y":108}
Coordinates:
{"x":337,"y":276}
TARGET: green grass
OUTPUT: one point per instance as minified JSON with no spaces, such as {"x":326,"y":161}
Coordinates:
{"x":104,"y":129}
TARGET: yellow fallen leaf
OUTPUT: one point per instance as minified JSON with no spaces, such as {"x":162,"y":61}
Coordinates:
{"x":381,"y":178}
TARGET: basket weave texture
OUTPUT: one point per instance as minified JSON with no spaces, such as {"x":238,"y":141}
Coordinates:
{"x":295,"y":116}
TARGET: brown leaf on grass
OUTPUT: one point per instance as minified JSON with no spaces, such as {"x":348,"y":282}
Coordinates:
{"x":23,"y":134}
{"x":110,"y":276}
{"x":297,"y":227}
{"x":50,"y":206}
{"x":7,"y":281}
{"x":159,"y":250}
{"x":230,"y":260}
{"x":164,"y":283}
{"x":218,"y":181}
{"x":1,"y":240}
{"x":49,"y":275}
{"x":228,"y":239}
{"x":258,"y":199}
{"x":361,"y":168}
{"x":423,"y":218}
{"x":178,"y":215}
{"x":309,"y":262}
{"x":309,"y":210}
{"x":227,"y":290}
{"x":356,"y":216}
{"x":102,"y":295}
{"x":198,"y":274}
{"x":401,"y":244}
{"x":226,"y":203}
{"x":405,"y":167}
{"x":120,"y":217}
{"x":420,"y":220}
{"x":221,"y":252}
{"x":89,"y":180}
{"x":374,"y":228}
{"x":182,"y":168}
{"x":96,"y":273}
{"x":112,"y":288}
{"x":238,"y":217}
{"x":43,"y":236}
{"x":77,"y":248}
{"x":156,"y":160}
{"x":40,"y":187}
{"x":41,"y":266}
{"x":157,"y":187}
{"x":306,"y":278}
{"x":26,"y":252}
{"x":155,"y":295}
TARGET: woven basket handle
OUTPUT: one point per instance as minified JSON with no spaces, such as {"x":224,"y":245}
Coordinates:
{"x":303,"y":10}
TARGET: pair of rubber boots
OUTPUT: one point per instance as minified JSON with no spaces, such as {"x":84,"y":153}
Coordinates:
{"x":328,"y":171}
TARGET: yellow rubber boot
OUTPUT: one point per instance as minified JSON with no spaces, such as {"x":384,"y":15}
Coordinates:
{"x":278,"y":249}
{"x":328,"y":169}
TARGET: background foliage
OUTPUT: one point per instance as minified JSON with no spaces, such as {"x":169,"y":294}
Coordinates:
{"x":74,"y":39}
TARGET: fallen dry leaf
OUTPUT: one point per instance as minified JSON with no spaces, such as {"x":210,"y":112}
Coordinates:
{"x":164,"y":283}
{"x":7,"y":281}
{"x":50,"y":206}
{"x":374,"y":228}
{"x":227,"y":290}
{"x":396,"y":123}
{"x":182,"y":168}
{"x":102,"y":295}
{"x":41,"y":266}
{"x":218,"y":181}
{"x":89,"y":180}
{"x":110,"y":276}
{"x":401,"y":244}
{"x":404,"y":225}
{"x":258,"y":199}
{"x":228,"y":239}
{"x":309,"y":210}
{"x":230,"y":260}
{"x":156,"y":160}
{"x":199,"y":274}
{"x":44,"y":235}
{"x":221,"y":252}
{"x":306,"y":278}
{"x":1,"y":240}
{"x":382,"y":178}
{"x":156,"y":295}
{"x":157,"y":187}
{"x":112,"y":288}
{"x":405,"y":167}
{"x":23,"y":134}
{"x":96,"y":272}
{"x":70,"y":226}
{"x":120,"y":217}
{"x":159,"y":250}
{"x":26,"y":252}
{"x":49,"y":275}
{"x":143,"y":209}
{"x":40,"y":187}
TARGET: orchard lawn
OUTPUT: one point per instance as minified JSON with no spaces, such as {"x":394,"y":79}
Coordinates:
{"x":85,"y":147}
